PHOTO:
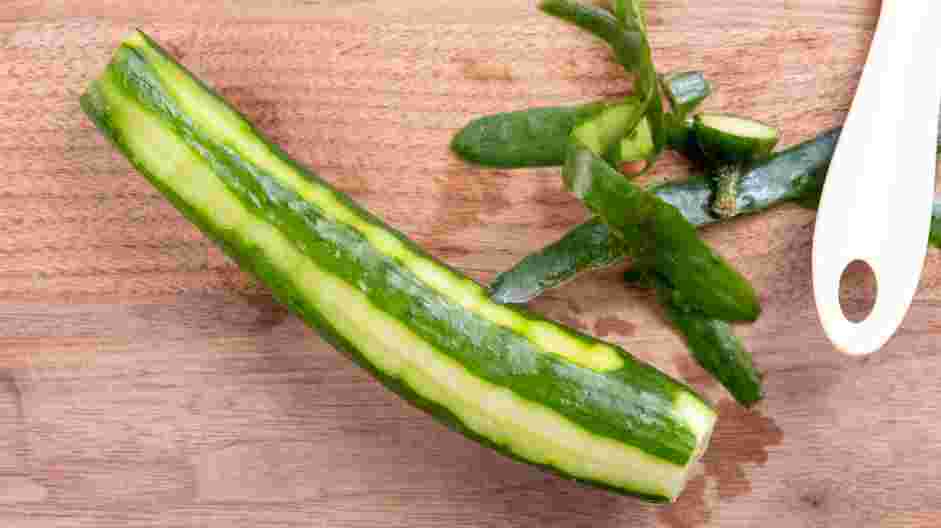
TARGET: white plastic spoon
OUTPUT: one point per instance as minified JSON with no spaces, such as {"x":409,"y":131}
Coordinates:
{"x":877,"y":198}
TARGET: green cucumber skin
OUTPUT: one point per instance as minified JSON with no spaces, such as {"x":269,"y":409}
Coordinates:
{"x":606,"y":404}
{"x":588,"y":246}
{"x":627,"y":38}
{"x":715,"y":347}
{"x":536,"y":137}
{"x":790,"y":175}
{"x":656,"y":233}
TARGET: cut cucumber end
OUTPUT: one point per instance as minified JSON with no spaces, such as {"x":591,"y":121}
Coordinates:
{"x":731,"y":139}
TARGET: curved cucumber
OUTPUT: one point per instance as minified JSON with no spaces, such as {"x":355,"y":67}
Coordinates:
{"x":934,"y":238}
{"x":521,"y":384}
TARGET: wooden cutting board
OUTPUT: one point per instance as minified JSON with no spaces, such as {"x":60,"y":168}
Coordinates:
{"x":144,"y":381}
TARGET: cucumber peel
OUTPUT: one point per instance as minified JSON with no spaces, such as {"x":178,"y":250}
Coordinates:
{"x":656,"y":234}
{"x":535,"y":137}
{"x":713,"y":345}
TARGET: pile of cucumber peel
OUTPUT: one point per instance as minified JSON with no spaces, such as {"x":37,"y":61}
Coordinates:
{"x":597,"y":145}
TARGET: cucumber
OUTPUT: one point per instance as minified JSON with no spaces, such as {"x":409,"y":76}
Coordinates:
{"x":530,"y":388}
{"x":727,"y":139}
{"x":728,"y":144}
{"x":657,"y":235}
{"x":536,"y":137}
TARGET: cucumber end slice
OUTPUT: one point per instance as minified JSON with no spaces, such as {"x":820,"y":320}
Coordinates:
{"x":731,"y":139}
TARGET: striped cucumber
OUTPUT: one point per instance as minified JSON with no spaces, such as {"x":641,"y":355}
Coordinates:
{"x":528,"y":387}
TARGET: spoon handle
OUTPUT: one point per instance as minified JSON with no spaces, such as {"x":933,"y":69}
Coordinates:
{"x":876,"y":202}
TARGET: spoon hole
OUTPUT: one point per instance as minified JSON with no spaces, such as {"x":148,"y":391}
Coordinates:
{"x":858,"y":290}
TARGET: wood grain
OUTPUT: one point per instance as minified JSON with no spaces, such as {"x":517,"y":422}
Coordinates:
{"x":144,"y":381}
